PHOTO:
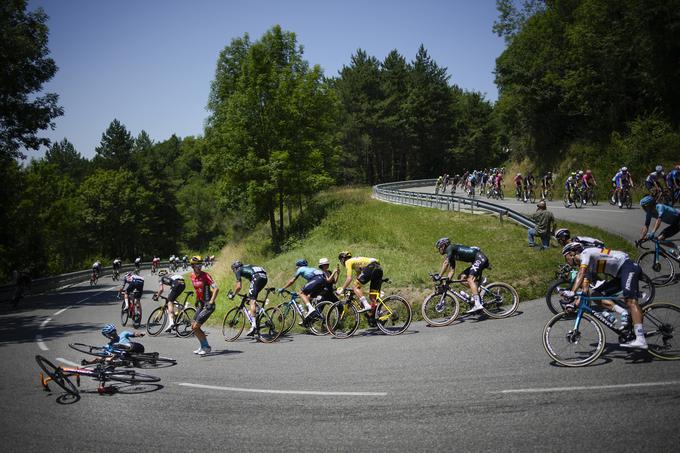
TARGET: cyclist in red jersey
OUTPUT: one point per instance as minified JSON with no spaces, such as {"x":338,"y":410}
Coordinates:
{"x":206,"y":294}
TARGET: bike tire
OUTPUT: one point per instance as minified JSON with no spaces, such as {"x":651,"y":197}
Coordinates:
{"x":661,"y":323}
{"x":628,"y":201}
{"x":318,"y":325}
{"x":149,"y":358}
{"x":233,"y":324}
{"x":270,"y":324}
{"x":137,"y":314}
{"x":611,"y":197}
{"x":57,"y":375}
{"x":129,"y":377}
{"x":578,"y":199}
{"x":342,"y":320}
{"x":183,"y":322}
{"x":124,"y":314}
{"x":570,"y":349}
{"x":566,"y":200}
{"x":393,"y":315}
{"x":593,"y":198}
{"x":440,"y":309}
{"x":661,"y":274}
{"x":532,"y":196}
{"x":646,"y":290}
{"x":156,"y":321}
{"x":97,"y":351}
{"x":550,"y":195}
{"x":289,"y":314}
{"x":552,"y":297}
{"x":500,"y":300}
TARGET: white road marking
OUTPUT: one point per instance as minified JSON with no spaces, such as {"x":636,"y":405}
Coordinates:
{"x":62,"y":310}
{"x":280,"y":392}
{"x":588,"y":388}
{"x":41,"y":345}
{"x":42,"y":324}
{"x":68,"y":362}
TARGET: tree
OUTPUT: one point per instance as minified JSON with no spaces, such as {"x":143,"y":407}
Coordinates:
{"x":115,"y":149}
{"x":65,"y":157}
{"x":24,"y":68}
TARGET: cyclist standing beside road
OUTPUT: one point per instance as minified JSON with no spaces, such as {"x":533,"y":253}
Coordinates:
{"x":177,"y":286}
{"x":662,"y":213}
{"x":472,"y":255}
{"x":258,"y":280}
{"x":626,"y":275}
{"x":367,"y":270}
{"x":206,"y":291}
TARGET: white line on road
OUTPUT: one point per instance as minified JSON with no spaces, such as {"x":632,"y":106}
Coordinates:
{"x":280,"y":392}
{"x":591,"y":387}
{"x":42,"y":324}
{"x":62,"y":310}
{"x":68,"y":362}
{"x":41,"y":345}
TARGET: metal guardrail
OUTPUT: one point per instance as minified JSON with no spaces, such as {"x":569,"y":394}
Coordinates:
{"x":394,"y":192}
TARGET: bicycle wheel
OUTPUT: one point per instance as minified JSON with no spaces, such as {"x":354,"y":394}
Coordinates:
{"x":500,"y":300}
{"x":570,"y":347}
{"x":612,"y":197}
{"x":342,"y":319}
{"x":129,"y":376}
{"x":289,"y":316}
{"x":440,"y":309}
{"x":271,"y":324}
{"x":183,"y":322}
{"x":150,"y":358}
{"x":552,"y":297}
{"x":550,"y":195}
{"x":646,"y":290}
{"x":393,"y":315}
{"x":566,"y":200}
{"x":233,"y":324}
{"x":661,"y":273}
{"x":593,"y":198}
{"x":137,"y":314}
{"x":156,"y":321}
{"x":97,"y":351}
{"x":660,"y":322}
{"x":628,"y":201}
{"x":124,"y":314}
{"x":57,"y":375}
{"x":532,"y":196}
{"x":578,"y":199}
{"x":318,"y":325}
{"x":501,"y":195}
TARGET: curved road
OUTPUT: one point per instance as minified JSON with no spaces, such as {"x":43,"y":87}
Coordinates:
{"x":480,"y":385}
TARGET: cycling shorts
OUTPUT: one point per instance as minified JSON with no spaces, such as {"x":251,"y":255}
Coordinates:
{"x":480,"y":263}
{"x":671,"y":229}
{"x":372,"y":273}
{"x":135,"y":286}
{"x":258,"y":282}
{"x":130,"y":347}
{"x":627,"y":279}
{"x":177,"y":289}
{"x":204,"y":313}
{"x":314,"y":286}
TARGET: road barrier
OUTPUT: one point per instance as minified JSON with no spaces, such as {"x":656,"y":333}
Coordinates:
{"x":394,"y":192}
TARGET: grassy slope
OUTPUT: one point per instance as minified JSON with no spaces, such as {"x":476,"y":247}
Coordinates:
{"x":402,"y":238}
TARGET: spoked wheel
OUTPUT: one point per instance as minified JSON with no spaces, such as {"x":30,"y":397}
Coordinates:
{"x":289,"y":316}
{"x":661,"y":323}
{"x":440,"y":309}
{"x":156,"y":321}
{"x":532,"y":196}
{"x":646,"y":290}
{"x":271,"y":325}
{"x":183,"y":322}
{"x":573,"y":347}
{"x":129,"y":377}
{"x":393,"y":315}
{"x":661,"y":272}
{"x":56,"y":374}
{"x":233,"y":324}
{"x":500,"y":300}
{"x":137,"y":314}
{"x":578,"y":200}
{"x":628,"y":201}
{"x":593,"y":198}
{"x":550,"y":195}
{"x":552,"y":296}
{"x":146,"y":360}
{"x":97,"y":351}
{"x":612,"y":197}
{"x":124,"y":314}
{"x":566,"y":200}
{"x":342,"y":319}
{"x":318,"y":325}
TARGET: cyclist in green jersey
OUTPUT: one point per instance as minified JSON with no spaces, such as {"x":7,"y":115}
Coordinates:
{"x":467,"y":254}
{"x":258,"y":280}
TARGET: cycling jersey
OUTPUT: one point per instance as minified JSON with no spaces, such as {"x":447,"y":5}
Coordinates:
{"x":587,"y":179}
{"x":358,"y":263}
{"x":133,"y":282}
{"x":308,"y":273}
{"x":461,"y":252}
{"x":603,"y":261}
{"x":248,"y":271}
{"x":588,"y":242}
{"x":171,"y":279}
{"x":517,"y":180}
{"x":666,"y":213}
{"x":203,"y":286}
{"x":653,"y":179}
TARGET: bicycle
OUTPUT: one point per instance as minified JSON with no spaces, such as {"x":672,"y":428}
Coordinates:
{"x":100,"y":372}
{"x":121,"y":357}
{"x":154,"y":268}
{"x":94,"y":278}
{"x":576,"y":338}
{"x":572,"y":197}
{"x":564,"y":279}
{"x":115,"y":275}
{"x":624,"y":200}
{"x":268,"y":322}
{"x":658,"y":263}
{"x":292,"y":309}
{"x":183,"y":315}
{"x":519,"y":193}
{"x":589,"y":195}
{"x":547,"y":193}
{"x":392,"y":314}
{"x":442,"y":307}
{"x":133,"y":310}
{"x":530,"y":195}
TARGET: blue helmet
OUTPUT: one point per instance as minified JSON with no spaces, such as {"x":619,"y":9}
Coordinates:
{"x":301,"y":262}
{"x":108,"y":330}
{"x":646,"y":200}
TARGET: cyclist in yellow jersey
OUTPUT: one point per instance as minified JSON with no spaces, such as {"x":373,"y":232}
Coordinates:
{"x":367,"y":270}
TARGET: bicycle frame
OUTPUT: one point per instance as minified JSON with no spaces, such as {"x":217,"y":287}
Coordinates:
{"x":584,"y":307}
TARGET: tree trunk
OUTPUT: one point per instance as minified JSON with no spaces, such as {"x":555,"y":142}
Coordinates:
{"x":281,"y":230}
{"x":272,"y":224}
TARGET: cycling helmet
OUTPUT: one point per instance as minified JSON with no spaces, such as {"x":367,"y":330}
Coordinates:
{"x":443,"y":242}
{"x":658,"y":168}
{"x":677,"y":167}
{"x":301,"y":262}
{"x":580,"y":172}
{"x":646,"y":201}
{"x":572,"y":247}
{"x":549,"y":173}
{"x":573,"y":173}
{"x":344,"y":255}
{"x":235,"y":265}
{"x":519,"y":174}
{"x":108,"y":330}
{"x":162,"y":272}
{"x":562,"y":233}
{"x":624,"y":169}
{"x":588,"y":172}
{"x":196,"y":259}
{"x":324,"y":261}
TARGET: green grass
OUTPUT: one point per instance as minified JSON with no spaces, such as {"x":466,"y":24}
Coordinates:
{"x":402,"y":238}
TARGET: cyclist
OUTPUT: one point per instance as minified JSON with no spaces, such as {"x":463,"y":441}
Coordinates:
{"x":22,"y":281}
{"x":588,"y":182}
{"x":206,"y":291}
{"x":185,"y":261}
{"x":673,"y":183}
{"x":316,"y":281}
{"x":177,"y":286}
{"x":118,"y":341}
{"x":133,"y":282}
{"x":367,"y":270}
{"x":155,"y":262}
{"x":445,"y":182}
{"x":529,"y":183}
{"x":622,"y":180}
{"x":655,"y":180}
{"x":626,"y":275}
{"x":258,"y":280}
{"x":569,"y":186}
{"x":117,"y":264}
{"x":438,"y":185}
{"x":519,"y":182}
{"x":498,"y":180}
{"x":472,"y":255}
{"x":97,"y":268}
{"x":547,"y":182}
{"x":563,"y":237}
{"x":662,"y":213}
{"x":138,"y":263}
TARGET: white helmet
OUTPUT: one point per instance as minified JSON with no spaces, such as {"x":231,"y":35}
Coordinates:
{"x":659,"y":168}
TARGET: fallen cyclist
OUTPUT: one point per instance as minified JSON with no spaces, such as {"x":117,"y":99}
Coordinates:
{"x":117,"y":343}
